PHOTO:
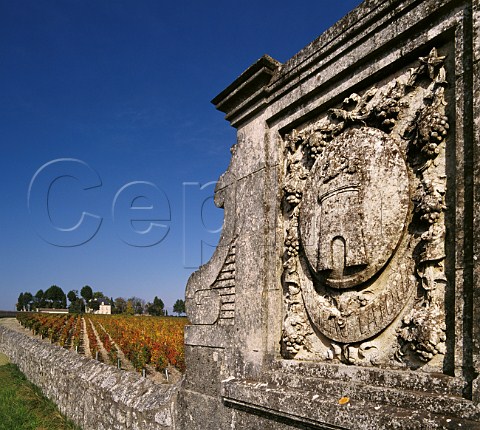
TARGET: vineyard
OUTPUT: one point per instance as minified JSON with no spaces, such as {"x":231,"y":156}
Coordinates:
{"x":155,"y":343}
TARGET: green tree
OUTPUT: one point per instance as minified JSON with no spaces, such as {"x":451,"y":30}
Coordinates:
{"x":39,"y":300}
{"x":20,"y":302}
{"x":98,"y":295}
{"x":77,"y":306}
{"x":94,"y":305}
{"x":179,"y":307}
{"x":138,"y":304}
{"x":25,"y":301}
{"x":72,"y":296}
{"x":157,"y":308}
{"x":129,"y":309}
{"x":87,"y":293}
{"x":55,"y":297}
{"x":120,"y":305}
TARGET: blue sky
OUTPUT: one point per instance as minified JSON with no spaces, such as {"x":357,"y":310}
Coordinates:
{"x":105,"y":105}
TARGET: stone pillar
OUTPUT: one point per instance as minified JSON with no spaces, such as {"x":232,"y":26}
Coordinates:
{"x":344,"y":290}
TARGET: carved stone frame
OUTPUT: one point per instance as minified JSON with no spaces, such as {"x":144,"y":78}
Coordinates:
{"x":404,"y":122}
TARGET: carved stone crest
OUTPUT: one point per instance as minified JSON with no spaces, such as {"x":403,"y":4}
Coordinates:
{"x":352,"y":217}
{"x":354,"y":208}
{"x":364,"y":198}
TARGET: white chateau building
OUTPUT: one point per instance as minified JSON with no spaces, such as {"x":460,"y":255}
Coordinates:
{"x":105,"y":308}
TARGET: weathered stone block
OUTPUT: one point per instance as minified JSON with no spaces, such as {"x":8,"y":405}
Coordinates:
{"x":214,"y":416}
{"x":205,"y":369}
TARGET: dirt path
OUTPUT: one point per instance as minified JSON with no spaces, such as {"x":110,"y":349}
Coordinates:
{"x":86,"y":342}
{"x":15,"y":325}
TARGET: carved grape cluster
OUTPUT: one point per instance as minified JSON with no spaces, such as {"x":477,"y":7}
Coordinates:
{"x":293,"y":196}
{"x":433,"y":129}
{"x":387,"y":113}
{"x":297,"y":173}
{"x":292,"y":245}
{"x":424,"y":332}
{"x":294,"y":333}
{"x":428,"y":202}
{"x":319,"y":139}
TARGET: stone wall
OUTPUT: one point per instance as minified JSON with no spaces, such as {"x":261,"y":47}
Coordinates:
{"x":92,"y":394}
{"x":8,"y":314}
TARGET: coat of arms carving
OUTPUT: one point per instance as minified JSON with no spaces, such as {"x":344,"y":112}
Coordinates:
{"x":364,"y":195}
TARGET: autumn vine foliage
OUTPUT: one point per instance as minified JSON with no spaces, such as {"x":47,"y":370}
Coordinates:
{"x":77,"y":333}
{"x":109,"y":346}
{"x":155,"y":341}
{"x":65,"y":332}
{"x":60,"y":329}
{"x":145,"y":341}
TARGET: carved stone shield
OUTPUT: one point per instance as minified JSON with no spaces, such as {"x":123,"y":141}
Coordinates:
{"x":354,"y":209}
{"x":353,"y":216}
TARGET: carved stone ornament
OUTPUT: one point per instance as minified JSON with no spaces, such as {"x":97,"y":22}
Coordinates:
{"x":354,"y":209}
{"x":364,"y":196}
{"x":352,"y":217}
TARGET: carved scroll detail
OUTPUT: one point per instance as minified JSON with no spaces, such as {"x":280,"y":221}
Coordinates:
{"x":210,"y":292}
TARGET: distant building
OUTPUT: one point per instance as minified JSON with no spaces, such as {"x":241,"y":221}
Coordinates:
{"x":52,"y":311}
{"x":104,"y":308}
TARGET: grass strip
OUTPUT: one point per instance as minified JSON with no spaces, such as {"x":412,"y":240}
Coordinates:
{"x":24,"y":407}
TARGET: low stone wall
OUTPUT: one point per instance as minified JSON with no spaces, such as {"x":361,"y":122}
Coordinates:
{"x":8,"y":314}
{"x":92,"y":394}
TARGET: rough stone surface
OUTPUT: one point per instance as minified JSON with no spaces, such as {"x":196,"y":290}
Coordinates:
{"x":354,"y":219}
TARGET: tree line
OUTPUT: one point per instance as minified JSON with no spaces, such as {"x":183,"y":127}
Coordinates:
{"x":90,"y":301}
